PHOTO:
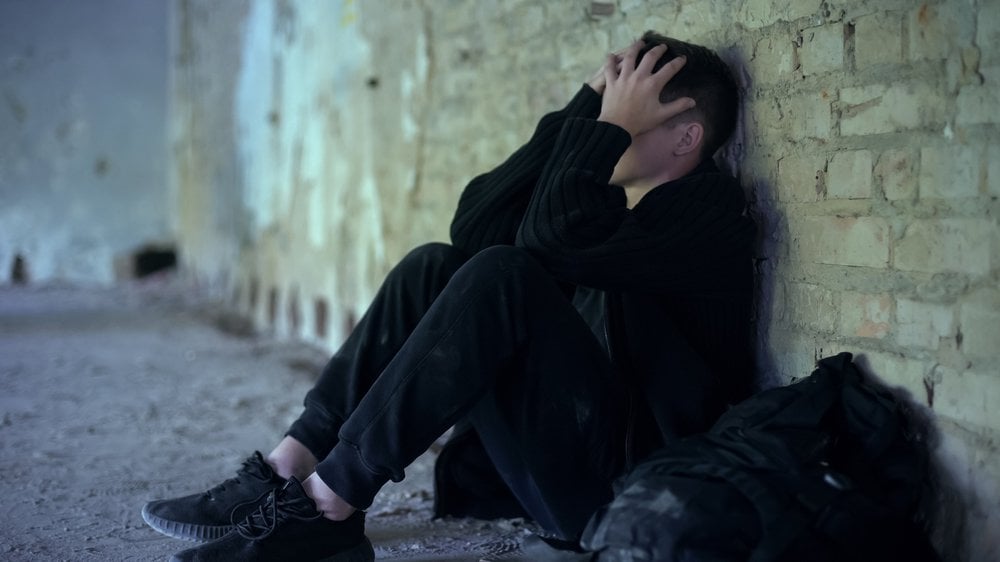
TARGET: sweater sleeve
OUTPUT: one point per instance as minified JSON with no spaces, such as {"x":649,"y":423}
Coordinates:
{"x":492,"y":205}
{"x":580,"y":228}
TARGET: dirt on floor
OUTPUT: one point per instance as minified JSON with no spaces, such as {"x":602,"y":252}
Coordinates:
{"x":113,"y":397}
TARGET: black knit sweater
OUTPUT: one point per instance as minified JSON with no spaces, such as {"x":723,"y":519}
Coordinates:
{"x":674,"y":271}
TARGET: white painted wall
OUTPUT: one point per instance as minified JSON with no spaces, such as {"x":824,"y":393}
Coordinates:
{"x":82,"y":134}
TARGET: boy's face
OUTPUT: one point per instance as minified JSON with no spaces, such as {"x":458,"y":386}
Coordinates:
{"x":648,"y":154}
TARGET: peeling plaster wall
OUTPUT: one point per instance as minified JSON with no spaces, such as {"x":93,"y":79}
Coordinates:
{"x":205,"y":177}
{"x":344,"y":131}
{"x":82,"y":135}
{"x":306,"y":122}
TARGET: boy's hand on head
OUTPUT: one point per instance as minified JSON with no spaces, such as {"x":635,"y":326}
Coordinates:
{"x":597,"y":82}
{"x":631,"y":97}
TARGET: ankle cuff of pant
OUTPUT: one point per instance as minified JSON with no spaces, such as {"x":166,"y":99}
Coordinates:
{"x":346,"y":473}
{"x":316,"y":431}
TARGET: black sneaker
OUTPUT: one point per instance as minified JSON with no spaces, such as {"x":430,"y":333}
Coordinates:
{"x":209,"y":515}
{"x":287,"y":526}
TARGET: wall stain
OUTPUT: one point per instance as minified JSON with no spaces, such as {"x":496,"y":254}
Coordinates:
{"x":285,"y":21}
{"x":320,"y":317}
{"x":16,"y":107}
{"x":424,"y":111}
{"x":19,"y":271}
{"x":294,"y":314}
{"x":253,"y":295}
{"x":350,"y":321}
{"x":102,"y":166}
{"x":924,"y":15}
{"x":272,"y":306}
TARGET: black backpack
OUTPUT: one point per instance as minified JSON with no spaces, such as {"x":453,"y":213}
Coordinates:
{"x":826,"y":469}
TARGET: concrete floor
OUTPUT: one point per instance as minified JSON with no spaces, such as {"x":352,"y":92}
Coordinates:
{"x":111,"y":398}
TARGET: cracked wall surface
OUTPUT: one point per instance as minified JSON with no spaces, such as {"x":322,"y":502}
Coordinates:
{"x":314,"y":143}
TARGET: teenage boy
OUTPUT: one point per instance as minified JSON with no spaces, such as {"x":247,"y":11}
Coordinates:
{"x":594,"y":304}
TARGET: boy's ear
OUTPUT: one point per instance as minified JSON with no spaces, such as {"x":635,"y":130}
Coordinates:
{"x":690,"y":138}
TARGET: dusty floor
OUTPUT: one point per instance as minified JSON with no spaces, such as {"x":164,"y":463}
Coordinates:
{"x":110,"y":398}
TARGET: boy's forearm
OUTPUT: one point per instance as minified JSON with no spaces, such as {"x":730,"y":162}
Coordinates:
{"x":492,"y":204}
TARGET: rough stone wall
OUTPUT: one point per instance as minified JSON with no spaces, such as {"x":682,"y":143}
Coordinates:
{"x":82,"y":136}
{"x":344,"y":131}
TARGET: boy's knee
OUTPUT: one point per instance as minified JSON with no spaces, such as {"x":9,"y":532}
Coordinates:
{"x":433,"y":256}
{"x":504,"y":259}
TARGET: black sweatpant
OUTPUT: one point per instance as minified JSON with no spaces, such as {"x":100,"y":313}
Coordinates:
{"x":493,"y":339}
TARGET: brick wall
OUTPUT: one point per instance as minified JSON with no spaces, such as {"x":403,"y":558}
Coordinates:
{"x":870,"y":161}
{"x":868,"y":149}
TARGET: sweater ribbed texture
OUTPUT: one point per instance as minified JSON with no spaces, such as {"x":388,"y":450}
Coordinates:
{"x":669,"y":242}
{"x":492,"y":206}
{"x":685,"y":247}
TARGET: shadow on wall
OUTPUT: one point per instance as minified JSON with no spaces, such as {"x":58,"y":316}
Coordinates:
{"x":760,"y":198}
{"x":942,"y":510}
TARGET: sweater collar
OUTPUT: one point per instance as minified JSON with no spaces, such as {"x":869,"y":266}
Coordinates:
{"x":706,"y":166}
{"x":706,"y":182}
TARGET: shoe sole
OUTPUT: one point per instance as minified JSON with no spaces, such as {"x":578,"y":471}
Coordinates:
{"x":185,"y":531}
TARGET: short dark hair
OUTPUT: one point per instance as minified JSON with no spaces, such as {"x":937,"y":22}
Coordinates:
{"x":706,"y":79}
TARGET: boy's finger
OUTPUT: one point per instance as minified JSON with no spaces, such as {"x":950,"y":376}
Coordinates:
{"x":610,"y":68}
{"x":669,"y":70}
{"x":613,"y":61}
{"x":676,"y":107}
{"x":650,"y":59}
{"x":629,"y":56}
